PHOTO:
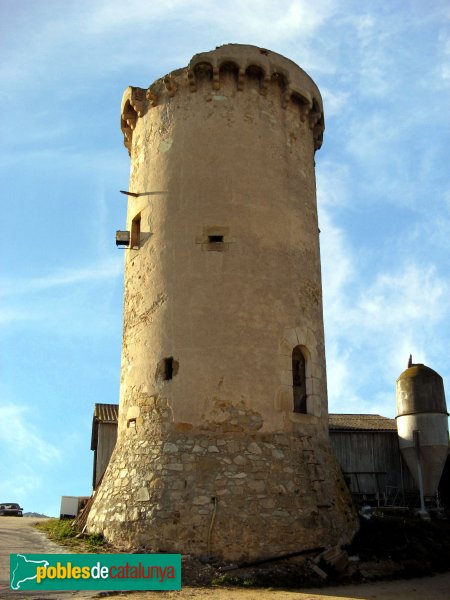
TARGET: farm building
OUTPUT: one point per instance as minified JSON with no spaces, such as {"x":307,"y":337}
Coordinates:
{"x":366,"y":447}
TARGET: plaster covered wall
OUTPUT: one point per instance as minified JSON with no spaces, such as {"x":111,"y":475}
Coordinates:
{"x":225,"y":282}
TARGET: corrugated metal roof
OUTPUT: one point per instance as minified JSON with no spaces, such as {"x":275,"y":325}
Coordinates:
{"x":106,"y":413}
{"x":361,"y":423}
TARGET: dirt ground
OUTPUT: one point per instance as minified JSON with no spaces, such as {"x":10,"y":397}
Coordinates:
{"x":427,"y":588}
{"x":19,"y":535}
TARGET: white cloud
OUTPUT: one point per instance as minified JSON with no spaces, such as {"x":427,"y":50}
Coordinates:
{"x":403,"y":300}
{"x":335,"y":102}
{"x":373,"y":323}
{"x":104,"y":269}
{"x":102,"y":162}
{"x":20,"y":437}
{"x":268,"y":19}
{"x":22,"y":484}
{"x":29,"y":461}
{"x":102,"y":235}
{"x":121,"y":35}
{"x":443,"y":67}
{"x":368,"y":38}
{"x":337,"y":266}
{"x":334,"y":185}
{"x":113,"y":14}
{"x":70,"y":302}
{"x":13,"y":315}
{"x":369,"y":134}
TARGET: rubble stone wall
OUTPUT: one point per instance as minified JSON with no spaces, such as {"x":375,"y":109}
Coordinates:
{"x":223,"y":494}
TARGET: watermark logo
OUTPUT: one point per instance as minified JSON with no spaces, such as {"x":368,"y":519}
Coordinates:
{"x":95,"y":572}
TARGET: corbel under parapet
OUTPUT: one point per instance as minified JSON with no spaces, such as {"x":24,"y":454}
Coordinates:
{"x":134,"y":105}
{"x":152,"y":96}
{"x":171,"y":85}
{"x":138,"y":100}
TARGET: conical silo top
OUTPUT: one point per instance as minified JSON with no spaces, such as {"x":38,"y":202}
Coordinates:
{"x":420,"y":390}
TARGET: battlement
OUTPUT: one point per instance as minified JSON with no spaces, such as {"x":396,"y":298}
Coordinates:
{"x":243,"y":63}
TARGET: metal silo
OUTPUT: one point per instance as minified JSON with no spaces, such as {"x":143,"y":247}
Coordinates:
{"x":422,"y":425}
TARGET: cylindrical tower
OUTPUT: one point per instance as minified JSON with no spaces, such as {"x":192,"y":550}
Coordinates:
{"x":422,"y":424}
{"x":223,"y":442}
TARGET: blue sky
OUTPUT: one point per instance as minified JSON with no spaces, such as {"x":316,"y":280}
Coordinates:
{"x":383,"y":183}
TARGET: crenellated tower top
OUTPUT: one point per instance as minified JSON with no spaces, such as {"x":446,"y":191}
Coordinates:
{"x":244,"y":62}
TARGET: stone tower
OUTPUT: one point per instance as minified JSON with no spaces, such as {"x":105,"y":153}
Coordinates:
{"x":223,"y":441}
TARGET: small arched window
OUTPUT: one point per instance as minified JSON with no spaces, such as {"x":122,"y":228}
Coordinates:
{"x":299,"y":380}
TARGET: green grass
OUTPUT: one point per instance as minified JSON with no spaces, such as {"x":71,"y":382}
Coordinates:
{"x":62,"y":532}
{"x":95,"y":542}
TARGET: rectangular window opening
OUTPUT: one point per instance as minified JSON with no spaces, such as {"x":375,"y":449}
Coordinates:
{"x":299,"y":381}
{"x":136,"y":231}
{"x":168,"y":368}
{"x":215,"y":239}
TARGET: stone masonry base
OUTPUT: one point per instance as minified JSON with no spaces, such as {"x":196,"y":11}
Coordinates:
{"x":237,"y":496}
